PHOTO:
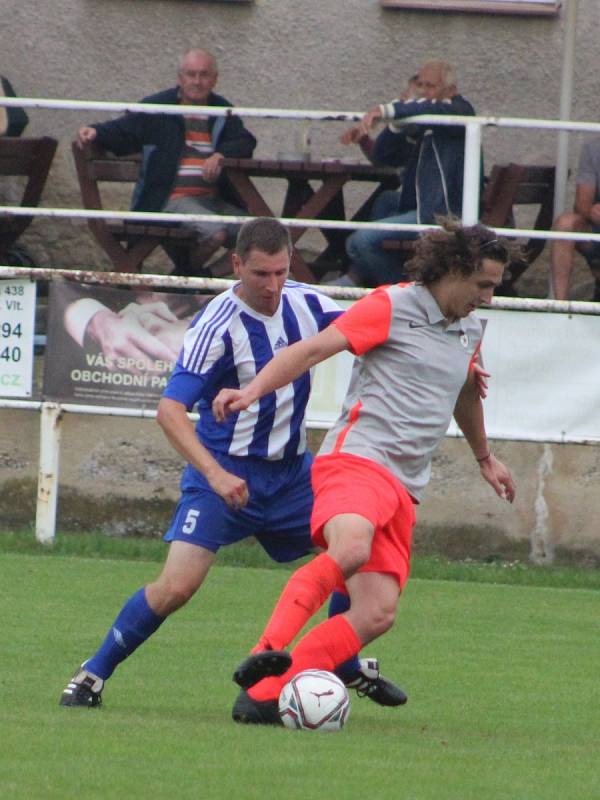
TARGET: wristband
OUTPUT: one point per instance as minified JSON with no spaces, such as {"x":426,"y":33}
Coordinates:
{"x":483,"y":458}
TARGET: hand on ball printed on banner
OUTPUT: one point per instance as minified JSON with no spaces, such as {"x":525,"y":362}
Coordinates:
{"x":136,"y":336}
{"x":113,"y":346}
{"x":314,"y":700}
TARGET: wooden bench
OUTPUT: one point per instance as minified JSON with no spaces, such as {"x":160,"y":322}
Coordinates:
{"x":508,"y":186}
{"x":127,"y":244}
{"x":314,"y":190}
{"x":30,"y":159}
{"x":514,"y":185}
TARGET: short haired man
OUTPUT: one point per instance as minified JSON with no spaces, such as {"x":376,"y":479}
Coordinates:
{"x":182,"y":155}
{"x":585,"y":218}
{"x":250,"y":477}
{"x":432,"y":182}
{"x":417,"y":345}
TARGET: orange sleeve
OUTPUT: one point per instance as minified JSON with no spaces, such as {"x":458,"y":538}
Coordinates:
{"x":476,"y":357}
{"x":366,"y":324}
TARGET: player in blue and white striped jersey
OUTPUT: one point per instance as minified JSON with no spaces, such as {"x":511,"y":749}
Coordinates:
{"x":249,"y":477}
{"x":227,"y":344}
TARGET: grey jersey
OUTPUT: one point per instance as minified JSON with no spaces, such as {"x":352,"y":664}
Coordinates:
{"x":412,"y":365}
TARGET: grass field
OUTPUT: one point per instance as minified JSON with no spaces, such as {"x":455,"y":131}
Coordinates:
{"x":502,"y":679}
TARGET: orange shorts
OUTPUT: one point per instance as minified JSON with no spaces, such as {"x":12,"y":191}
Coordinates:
{"x":348,"y":484}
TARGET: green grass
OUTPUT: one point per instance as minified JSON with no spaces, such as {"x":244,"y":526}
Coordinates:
{"x":249,"y":554}
{"x":503,"y":686}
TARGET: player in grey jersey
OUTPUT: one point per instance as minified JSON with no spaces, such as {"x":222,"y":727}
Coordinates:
{"x":417,"y":346}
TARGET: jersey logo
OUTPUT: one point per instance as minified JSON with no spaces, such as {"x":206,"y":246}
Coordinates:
{"x":413,"y":324}
{"x":281,"y":342}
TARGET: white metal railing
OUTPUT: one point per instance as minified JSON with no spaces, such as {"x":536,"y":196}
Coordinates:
{"x":317,"y":115}
{"x":220,"y":284}
{"x":146,"y":216}
{"x":473,"y":137}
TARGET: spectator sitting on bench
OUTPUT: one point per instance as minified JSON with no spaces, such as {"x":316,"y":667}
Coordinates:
{"x":585,"y":217}
{"x":182,"y":156}
{"x":433,"y":160}
{"x":356,"y":135}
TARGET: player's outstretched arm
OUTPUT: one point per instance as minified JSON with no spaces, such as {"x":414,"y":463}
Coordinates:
{"x":179,"y":430}
{"x":281,"y":370}
{"x":468,"y":414}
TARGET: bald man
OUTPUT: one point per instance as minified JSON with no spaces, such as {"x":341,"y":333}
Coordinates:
{"x":182,"y":155}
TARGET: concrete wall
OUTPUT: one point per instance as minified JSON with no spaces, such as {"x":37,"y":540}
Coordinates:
{"x":120,"y":476}
{"x":343,"y":54}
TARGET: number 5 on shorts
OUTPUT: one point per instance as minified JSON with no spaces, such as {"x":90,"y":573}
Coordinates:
{"x":189,"y":526}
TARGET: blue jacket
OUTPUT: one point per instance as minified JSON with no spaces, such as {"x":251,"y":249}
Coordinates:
{"x":433,"y":156}
{"x":161,"y":138}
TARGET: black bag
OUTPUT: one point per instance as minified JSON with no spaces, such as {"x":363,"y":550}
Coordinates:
{"x":17,"y":118}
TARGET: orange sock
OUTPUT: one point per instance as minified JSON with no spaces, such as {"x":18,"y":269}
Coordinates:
{"x":302,"y":596}
{"x":324,"y":647}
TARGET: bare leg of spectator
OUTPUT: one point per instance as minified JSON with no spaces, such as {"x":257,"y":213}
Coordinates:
{"x":562,"y":253}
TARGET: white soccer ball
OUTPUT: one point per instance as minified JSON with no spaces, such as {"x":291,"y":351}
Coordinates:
{"x":314,"y":700}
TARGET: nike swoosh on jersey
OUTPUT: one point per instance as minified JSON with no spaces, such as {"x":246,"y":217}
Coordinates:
{"x":413,"y":324}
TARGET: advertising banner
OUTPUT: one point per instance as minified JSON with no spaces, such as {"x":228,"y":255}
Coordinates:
{"x":113,"y":347}
{"x":544,"y":385}
{"x":116,"y":347}
{"x":17,"y":329}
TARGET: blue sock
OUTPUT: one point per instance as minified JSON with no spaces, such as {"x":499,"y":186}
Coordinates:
{"x":135,"y":623}
{"x":338,"y":603}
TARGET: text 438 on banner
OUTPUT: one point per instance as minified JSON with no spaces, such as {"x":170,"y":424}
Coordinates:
{"x":17,"y":325}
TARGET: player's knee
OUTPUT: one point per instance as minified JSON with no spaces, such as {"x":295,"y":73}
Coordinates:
{"x":384,"y":619}
{"x":381,"y":619}
{"x":353,"y":555}
{"x":180,"y":594}
{"x":166,"y":596}
{"x":371,"y":620}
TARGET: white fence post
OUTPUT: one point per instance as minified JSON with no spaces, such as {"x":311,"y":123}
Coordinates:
{"x":566,"y":102}
{"x":472,"y":173}
{"x":47,"y":494}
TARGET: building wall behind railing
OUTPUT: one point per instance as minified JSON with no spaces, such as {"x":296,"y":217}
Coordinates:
{"x":120,"y":476}
{"x":343,"y":54}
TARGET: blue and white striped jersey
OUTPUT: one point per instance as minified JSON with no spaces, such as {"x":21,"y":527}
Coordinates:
{"x":225,"y":346}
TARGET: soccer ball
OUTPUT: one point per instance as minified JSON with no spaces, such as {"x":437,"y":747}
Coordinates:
{"x":314,"y":700}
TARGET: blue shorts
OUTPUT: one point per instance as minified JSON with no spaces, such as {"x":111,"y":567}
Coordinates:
{"x":277,"y":514}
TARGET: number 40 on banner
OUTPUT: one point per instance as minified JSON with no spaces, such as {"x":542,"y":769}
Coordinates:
{"x":17,"y":327}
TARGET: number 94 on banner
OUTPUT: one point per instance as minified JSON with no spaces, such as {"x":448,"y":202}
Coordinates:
{"x":17,"y":327}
